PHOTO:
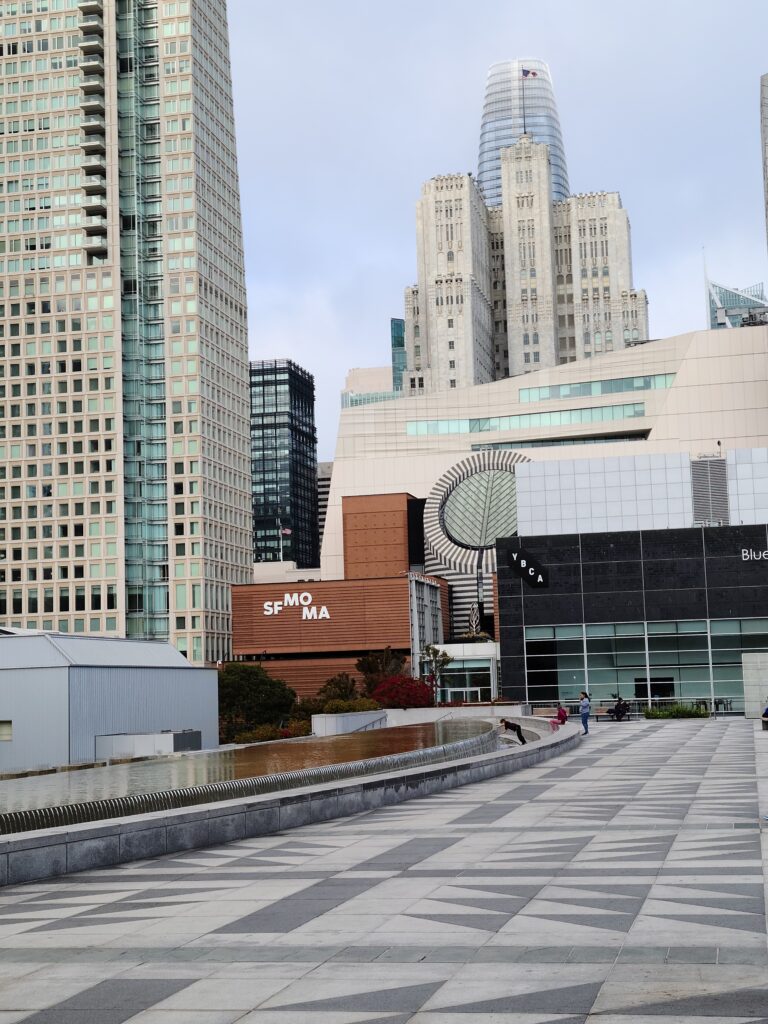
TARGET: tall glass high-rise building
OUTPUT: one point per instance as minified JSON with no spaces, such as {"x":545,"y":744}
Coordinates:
{"x":397,"y":349}
{"x":124,"y":419}
{"x":284,"y":464}
{"x":518,"y":103}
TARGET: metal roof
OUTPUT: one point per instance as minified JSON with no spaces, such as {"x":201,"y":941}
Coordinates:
{"x":56,"y":650}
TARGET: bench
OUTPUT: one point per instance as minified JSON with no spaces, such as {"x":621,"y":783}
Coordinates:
{"x":596,"y":714}
{"x":544,"y":712}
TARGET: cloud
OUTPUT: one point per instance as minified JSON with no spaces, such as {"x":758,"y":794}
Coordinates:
{"x":303,"y":324}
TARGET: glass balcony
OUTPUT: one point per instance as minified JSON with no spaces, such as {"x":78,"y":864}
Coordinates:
{"x":92,"y":63}
{"x":95,"y":205}
{"x":93,"y":123}
{"x":94,"y":165}
{"x":92,"y":82}
{"x":87,"y":7}
{"x":94,"y":144}
{"x":93,"y":185}
{"x":92,"y":44}
{"x":96,"y":245}
{"x":92,"y":104}
{"x":94,"y":225}
{"x":92,"y":23}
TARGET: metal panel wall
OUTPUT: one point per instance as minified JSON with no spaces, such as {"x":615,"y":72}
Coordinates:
{"x":35,"y":700}
{"x":109,"y":700}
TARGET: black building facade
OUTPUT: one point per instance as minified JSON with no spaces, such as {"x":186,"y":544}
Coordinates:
{"x":284,"y":463}
{"x":651,"y":614}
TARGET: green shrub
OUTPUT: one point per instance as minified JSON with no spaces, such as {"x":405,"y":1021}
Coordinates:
{"x":295,"y":727}
{"x":339,"y":687}
{"x":677,"y":711}
{"x":261,"y":734}
{"x":248,"y":698}
{"x":345,"y":707}
{"x":307,"y":707}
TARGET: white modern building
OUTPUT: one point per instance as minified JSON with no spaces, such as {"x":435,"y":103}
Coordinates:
{"x":666,"y":434}
{"x":124,"y":423}
{"x":63,"y":698}
{"x":324,"y":474}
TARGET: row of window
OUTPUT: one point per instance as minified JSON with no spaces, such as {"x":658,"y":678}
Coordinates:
{"x":526,"y":421}
{"x":609,"y":386}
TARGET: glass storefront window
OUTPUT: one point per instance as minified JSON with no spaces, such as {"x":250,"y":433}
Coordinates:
{"x":601,"y":629}
{"x":568,"y":631}
{"x":689,"y":659}
{"x":465,"y":681}
{"x":725,"y":626}
{"x":539,"y":632}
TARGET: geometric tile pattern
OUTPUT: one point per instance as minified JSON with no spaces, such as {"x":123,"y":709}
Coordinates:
{"x":623,"y":881}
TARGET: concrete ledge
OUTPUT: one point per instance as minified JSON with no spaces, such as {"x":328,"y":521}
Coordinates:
{"x":32,"y":856}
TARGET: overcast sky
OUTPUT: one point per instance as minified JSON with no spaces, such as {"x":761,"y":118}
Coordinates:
{"x":344,"y":108}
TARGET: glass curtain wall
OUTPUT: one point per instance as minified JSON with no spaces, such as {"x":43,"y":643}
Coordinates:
{"x":516,"y":104}
{"x":674,"y":660}
{"x":141,"y":262}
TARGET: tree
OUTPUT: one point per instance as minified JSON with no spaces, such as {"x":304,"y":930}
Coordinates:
{"x":379,"y":665}
{"x":403,"y":692}
{"x":436,"y":660}
{"x":339,"y":687}
{"x":249,"y":697}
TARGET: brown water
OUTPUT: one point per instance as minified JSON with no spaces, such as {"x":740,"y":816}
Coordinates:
{"x":258,"y":759}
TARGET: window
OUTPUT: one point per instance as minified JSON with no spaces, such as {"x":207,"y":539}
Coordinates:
{"x":452,"y":383}
{"x":6,"y":731}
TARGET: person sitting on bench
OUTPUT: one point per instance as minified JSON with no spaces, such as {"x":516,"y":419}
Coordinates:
{"x":620,"y":711}
{"x":561,"y":717}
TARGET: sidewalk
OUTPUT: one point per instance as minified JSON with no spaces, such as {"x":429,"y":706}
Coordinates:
{"x":623,"y":879}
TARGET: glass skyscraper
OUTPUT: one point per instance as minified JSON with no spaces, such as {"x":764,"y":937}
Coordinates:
{"x":727,"y":307}
{"x":124,"y":476}
{"x":397,"y":348}
{"x":516,"y":103}
{"x":284,"y":464}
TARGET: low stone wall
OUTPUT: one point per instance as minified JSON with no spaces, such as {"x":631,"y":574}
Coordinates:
{"x":31,"y":856}
{"x":229,"y":789}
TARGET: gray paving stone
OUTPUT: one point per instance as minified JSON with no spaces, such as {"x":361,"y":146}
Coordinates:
{"x":692,"y":955}
{"x":404,"y":899}
{"x":643,"y":955}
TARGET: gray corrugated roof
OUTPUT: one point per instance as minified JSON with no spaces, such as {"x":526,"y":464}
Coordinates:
{"x":50,"y":650}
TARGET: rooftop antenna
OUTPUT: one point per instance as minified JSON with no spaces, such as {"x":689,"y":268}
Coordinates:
{"x":525,"y":73}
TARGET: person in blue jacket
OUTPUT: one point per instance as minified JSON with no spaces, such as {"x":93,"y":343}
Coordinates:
{"x":584,"y":709}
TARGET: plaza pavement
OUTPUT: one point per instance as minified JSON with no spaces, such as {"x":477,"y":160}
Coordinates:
{"x":623,"y":882}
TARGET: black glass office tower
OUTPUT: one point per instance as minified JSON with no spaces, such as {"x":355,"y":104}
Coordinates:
{"x":284,"y":464}
{"x":399,"y":357}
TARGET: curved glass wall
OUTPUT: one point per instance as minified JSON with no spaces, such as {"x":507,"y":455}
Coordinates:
{"x":506,"y":92}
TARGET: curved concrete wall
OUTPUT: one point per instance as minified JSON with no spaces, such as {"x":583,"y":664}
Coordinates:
{"x":31,"y":856}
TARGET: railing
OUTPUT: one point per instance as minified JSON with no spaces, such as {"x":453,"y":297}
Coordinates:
{"x":369,"y":725}
{"x":716,"y":706}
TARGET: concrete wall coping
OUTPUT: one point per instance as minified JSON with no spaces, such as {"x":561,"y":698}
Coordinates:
{"x":31,"y":856}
